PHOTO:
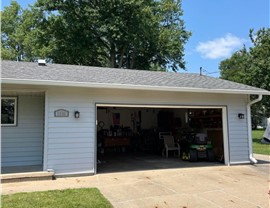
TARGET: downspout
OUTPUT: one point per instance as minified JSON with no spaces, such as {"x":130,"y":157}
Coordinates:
{"x":252,"y":159}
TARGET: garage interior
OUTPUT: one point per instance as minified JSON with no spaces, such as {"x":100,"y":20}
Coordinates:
{"x":133,"y":136}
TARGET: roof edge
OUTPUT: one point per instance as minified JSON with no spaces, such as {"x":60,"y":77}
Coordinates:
{"x":131,"y":87}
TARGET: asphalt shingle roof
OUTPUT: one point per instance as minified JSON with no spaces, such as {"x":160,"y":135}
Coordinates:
{"x":111,"y":76}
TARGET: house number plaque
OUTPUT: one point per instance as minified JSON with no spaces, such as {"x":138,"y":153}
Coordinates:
{"x":61,"y":113}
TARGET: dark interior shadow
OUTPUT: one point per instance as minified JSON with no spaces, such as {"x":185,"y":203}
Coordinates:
{"x":124,"y":162}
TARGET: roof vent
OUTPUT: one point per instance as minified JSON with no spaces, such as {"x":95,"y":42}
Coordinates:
{"x":41,"y":62}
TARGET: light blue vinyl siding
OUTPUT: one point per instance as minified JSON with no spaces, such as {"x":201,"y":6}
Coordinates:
{"x":70,"y":140}
{"x":23,"y":144}
{"x":238,"y":133}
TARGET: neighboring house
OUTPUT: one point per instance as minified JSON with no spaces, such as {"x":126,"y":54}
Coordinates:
{"x":265,"y":122}
{"x":266,"y":134}
{"x":51,"y":114}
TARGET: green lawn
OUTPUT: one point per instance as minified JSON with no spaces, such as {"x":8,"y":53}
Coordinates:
{"x":258,"y":147}
{"x":75,"y":198}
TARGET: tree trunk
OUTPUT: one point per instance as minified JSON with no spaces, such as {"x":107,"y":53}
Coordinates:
{"x":112,"y":56}
{"x":122,"y":57}
{"x":132,"y":61}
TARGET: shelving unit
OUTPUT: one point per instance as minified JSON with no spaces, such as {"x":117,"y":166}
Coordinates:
{"x":210,"y":119}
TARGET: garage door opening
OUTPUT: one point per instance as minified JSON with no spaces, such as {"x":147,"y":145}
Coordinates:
{"x":132,"y":137}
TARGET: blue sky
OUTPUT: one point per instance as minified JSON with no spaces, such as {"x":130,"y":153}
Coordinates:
{"x":219,"y":28}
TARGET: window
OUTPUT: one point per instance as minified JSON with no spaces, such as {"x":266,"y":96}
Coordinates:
{"x":8,"y":111}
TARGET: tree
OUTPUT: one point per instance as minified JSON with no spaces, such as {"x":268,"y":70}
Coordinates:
{"x":11,"y":47}
{"x":252,"y":67}
{"x":21,"y":33}
{"x":235,"y":68}
{"x":136,"y":34}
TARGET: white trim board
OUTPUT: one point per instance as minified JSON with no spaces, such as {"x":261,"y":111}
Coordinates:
{"x":129,"y":86}
{"x":156,"y":106}
{"x":45,"y":137}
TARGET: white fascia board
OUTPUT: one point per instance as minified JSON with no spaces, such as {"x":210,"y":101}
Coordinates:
{"x":130,"y":87}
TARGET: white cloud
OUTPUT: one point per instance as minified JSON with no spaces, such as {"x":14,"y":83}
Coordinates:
{"x":221,"y":47}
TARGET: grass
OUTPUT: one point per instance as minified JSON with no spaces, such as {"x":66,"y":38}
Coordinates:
{"x":258,"y":147}
{"x":69,"y":198}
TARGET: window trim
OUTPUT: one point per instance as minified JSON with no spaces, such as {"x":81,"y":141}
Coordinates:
{"x":15,"y":111}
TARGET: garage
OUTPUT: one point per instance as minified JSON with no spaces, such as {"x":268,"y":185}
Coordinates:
{"x":131,"y":134}
{"x":120,"y":119}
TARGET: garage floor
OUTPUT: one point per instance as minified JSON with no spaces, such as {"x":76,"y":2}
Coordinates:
{"x":142,"y":161}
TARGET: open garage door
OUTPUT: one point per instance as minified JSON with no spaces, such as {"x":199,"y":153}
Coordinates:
{"x":129,"y":135}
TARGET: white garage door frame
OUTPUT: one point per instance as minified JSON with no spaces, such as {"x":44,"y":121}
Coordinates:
{"x":224,"y":121}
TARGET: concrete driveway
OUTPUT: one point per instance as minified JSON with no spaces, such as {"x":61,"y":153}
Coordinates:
{"x":214,"y":186}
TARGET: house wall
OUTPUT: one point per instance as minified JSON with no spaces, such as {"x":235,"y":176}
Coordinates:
{"x":71,"y":142}
{"x":23,"y":144}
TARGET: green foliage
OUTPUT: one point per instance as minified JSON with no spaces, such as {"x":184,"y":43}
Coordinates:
{"x":252,"y":67}
{"x":20,"y":33}
{"x":139,"y":34}
{"x":10,"y":36}
{"x":87,"y":198}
